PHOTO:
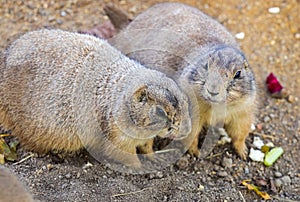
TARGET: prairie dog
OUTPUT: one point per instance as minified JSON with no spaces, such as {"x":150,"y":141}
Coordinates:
{"x":62,"y":91}
{"x":11,"y":189}
{"x":186,"y":44}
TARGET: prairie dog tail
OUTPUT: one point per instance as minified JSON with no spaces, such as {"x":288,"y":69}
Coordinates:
{"x":118,"y":17}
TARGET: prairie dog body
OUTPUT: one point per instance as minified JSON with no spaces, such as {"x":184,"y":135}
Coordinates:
{"x":11,"y":189}
{"x":186,"y":44}
{"x":63,"y":90}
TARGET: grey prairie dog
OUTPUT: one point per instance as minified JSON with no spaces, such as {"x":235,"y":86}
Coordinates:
{"x":62,"y":91}
{"x":186,"y":44}
{"x":11,"y":189}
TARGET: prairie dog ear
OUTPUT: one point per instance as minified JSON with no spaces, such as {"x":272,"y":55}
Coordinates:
{"x":141,"y":95}
{"x":246,"y":64}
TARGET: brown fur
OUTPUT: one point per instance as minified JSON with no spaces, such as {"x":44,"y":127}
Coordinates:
{"x":11,"y":189}
{"x":62,"y":91}
{"x":188,"y":45}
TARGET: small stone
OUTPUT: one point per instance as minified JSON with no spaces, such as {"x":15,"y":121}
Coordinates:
{"x":261,"y":182}
{"x":87,"y":165}
{"x":182,"y":163}
{"x":291,"y":99}
{"x":246,"y":170}
{"x":259,"y":127}
{"x":284,"y":93}
{"x":274,"y":10}
{"x":180,"y":188}
{"x":51,"y":19}
{"x":227,"y":162}
{"x":286,"y":180}
{"x":272,"y":116}
{"x":257,"y":142}
{"x":278,"y":174}
{"x":39,"y":172}
{"x":159,"y":175}
{"x":63,"y":14}
{"x":50,"y":166}
{"x":59,"y":21}
{"x":253,"y":127}
{"x":201,"y":188}
{"x":211,"y":184}
{"x":68,"y":176}
{"x":222,"y":174}
{"x":270,"y":144}
{"x":278,"y":183}
{"x":256,"y":155}
{"x":240,"y":35}
{"x":266,"y":119}
{"x":297,"y":35}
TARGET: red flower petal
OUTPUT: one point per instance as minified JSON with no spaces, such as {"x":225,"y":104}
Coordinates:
{"x":273,"y":84}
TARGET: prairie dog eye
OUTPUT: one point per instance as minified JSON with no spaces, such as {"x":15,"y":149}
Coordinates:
{"x":160,"y":112}
{"x":237,"y":74}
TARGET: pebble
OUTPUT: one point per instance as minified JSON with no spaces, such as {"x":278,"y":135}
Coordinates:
{"x":257,"y":142}
{"x":211,"y":184}
{"x":246,"y":170}
{"x":182,"y":163}
{"x":291,"y":99}
{"x":286,"y":180}
{"x":253,"y":127}
{"x":227,"y":162}
{"x":272,"y":116}
{"x":256,"y":155}
{"x":159,"y":175}
{"x":156,"y":175}
{"x":259,"y":127}
{"x":68,"y":176}
{"x":297,"y":35}
{"x":270,"y":144}
{"x":63,"y":14}
{"x":274,"y":10}
{"x":87,"y":165}
{"x":201,"y":188}
{"x":240,"y":35}
{"x":222,"y":174}
{"x":278,"y":174}
{"x":266,"y":119}
{"x":180,"y":188}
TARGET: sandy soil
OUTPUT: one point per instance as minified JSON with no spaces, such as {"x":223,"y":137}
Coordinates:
{"x":271,"y":44}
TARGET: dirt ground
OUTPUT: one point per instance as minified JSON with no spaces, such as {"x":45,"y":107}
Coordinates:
{"x":271,"y":44}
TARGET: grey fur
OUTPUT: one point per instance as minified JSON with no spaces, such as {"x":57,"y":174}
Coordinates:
{"x":60,"y":90}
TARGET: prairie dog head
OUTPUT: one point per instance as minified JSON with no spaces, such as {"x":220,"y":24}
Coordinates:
{"x":222,"y":76}
{"x":156,"y":109}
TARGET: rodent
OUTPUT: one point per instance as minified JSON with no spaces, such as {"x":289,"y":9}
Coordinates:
{"x":187,"y":44}
{"x":62,"y":91}
{"x":11,"y":189}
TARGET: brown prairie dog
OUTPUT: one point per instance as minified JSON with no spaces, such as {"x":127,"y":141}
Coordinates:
{"x":11,"y":189}
{"x":184,"y":43}
{"x":62,"y":91}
